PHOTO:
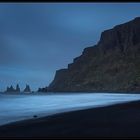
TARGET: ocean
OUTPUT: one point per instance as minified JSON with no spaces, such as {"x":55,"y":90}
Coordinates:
{"x":21,"y":107}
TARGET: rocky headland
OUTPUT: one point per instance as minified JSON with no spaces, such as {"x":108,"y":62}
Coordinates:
{"x":112,"y":65}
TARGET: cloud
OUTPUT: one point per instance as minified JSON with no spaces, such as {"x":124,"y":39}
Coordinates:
{"x":37,"y":39}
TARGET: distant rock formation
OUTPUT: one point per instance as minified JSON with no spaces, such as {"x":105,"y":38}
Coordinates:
{"x":27,"y":88}
{"x":17,"y":88}
{"x":10,"y":89}
{"x":42,"y":89}
{"x":113,"y":65}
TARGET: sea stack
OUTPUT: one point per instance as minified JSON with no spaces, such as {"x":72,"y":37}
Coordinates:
{"x":10,"y":89}
{"x":17,"y":88}
{"x":27,"y":88}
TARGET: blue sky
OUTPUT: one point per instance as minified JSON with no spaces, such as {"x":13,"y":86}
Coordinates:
{"x":36,"y":39}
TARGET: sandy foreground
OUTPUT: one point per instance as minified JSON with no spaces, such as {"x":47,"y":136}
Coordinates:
{"x":115,"y":121}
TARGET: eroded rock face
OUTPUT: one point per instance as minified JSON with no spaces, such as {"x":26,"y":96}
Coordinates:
{"x":113,"y":65}
{"x":121,"y":37}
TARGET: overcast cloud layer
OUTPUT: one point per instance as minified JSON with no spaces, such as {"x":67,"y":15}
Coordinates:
{"x":37,"y":39}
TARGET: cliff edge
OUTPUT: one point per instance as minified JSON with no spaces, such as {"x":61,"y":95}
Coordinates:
{"x":112,"y":65}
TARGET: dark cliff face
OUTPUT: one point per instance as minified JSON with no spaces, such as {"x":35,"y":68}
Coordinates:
{"x":113,"y":65}
{"x":121,"y":37}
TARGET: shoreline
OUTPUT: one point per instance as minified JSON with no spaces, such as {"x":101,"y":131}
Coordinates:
{"x":42,"y":116}
{"x":67,"y":93}
{"x":119,"y":120}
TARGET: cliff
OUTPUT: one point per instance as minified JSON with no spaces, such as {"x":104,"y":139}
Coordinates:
{"x":113,"y":65}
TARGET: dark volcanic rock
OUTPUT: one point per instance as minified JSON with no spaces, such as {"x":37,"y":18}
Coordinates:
{"x":27,"y":89}
{"x":113,"y":65}
{"x":10,"y":89}
{"x":17,"y":88}
{"x":42,"y":89}
{"x":121,"y":37}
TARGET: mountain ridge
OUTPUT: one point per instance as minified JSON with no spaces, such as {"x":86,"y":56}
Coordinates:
{"x":112,"y":65}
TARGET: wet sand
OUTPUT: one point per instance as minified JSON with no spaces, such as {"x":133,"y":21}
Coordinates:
{"x":115,"y":121}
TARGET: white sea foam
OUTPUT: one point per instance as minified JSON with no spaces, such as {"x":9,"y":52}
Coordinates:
{"x":20,"y":107}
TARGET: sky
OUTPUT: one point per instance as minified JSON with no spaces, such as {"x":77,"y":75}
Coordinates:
{"x":36,"y":39}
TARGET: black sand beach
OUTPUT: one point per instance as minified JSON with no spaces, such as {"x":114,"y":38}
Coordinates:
{"x":115,"y":121}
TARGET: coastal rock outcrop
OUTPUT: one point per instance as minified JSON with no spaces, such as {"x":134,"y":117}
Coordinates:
{"x":113,"y":65}
{"x":27,"y":88}
{"x":17,"y":88}
{"x":12,"y":89}
{"x":42,"y":89}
